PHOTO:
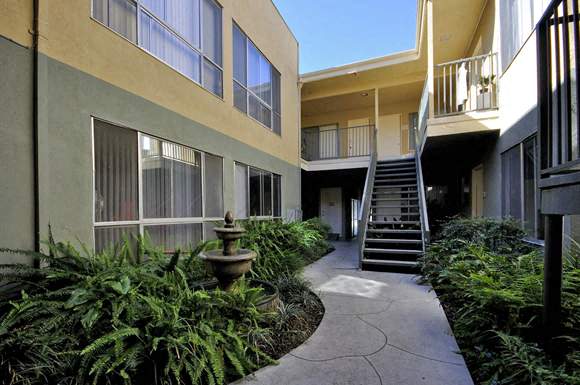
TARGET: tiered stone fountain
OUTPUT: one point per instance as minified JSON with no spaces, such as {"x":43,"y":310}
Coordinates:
{"x":231,"y":263}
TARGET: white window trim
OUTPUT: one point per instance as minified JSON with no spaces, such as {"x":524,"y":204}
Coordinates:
{"x":142,"y":222}
{"x":141,"y":8}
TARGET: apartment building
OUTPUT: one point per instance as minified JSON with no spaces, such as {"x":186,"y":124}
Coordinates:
{"x":122,"y":117}
{"x":394,"y":144}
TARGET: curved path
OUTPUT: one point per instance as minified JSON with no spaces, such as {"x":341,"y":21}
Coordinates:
{"x":379,"y":328}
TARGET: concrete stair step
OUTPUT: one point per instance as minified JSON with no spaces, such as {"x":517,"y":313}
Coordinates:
{"x":394,"y":222}
{"x":393,"y":240}
{"x":393,"y":231}
{"x":390,"y":263}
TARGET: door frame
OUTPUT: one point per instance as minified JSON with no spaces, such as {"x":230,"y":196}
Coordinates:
{"x":341,"y":208}
{"x":477,"y":194}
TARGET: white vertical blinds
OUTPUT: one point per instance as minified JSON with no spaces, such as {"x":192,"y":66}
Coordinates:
{"x":116,"y":175}
{"x":171,"y":180}
{"x":171,"y":30}
{"x":241,"y":175}
{"x":170,"y":186}
{"x":119,"y":15}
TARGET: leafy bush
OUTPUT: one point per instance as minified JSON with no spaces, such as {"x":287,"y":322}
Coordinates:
{"x":284,"y":248}
{"x":104,"y":319}
{"x":132,"y":314}
{"x":490,"y":283}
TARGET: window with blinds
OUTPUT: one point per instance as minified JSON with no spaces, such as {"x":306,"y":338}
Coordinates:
{"x":258,"y":192}
{"x":520,"y":195}
{"x":257,"y":84}
{"x":146,"y":185}
{"x":184,"y":34}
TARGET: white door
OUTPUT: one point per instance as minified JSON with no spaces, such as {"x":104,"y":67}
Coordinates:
{"x":331,"y":208}
{"x":358,"y":137}
{"x":328,"y":141}
{"x":389,"y":136}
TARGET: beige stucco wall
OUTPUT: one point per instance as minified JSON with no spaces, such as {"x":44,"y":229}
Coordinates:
{"x":69,"y":35}
{"x":484,"y":39}
{"x":16,"y":21}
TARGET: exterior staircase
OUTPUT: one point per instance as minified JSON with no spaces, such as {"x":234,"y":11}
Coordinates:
{"x":395,"y":233}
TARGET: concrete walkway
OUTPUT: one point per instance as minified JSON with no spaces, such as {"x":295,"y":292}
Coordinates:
{"x":379,"y":328}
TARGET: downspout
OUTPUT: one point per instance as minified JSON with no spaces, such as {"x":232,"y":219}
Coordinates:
{"x":35,"y":109}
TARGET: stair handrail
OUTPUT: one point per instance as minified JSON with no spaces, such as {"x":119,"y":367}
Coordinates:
{"x":364,"y":213}
{"x":426,"y":232}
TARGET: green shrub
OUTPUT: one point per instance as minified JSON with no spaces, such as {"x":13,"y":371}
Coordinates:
{"x":106,"y":319}
{"x":283,"y":248}
{"x":490,"y":283}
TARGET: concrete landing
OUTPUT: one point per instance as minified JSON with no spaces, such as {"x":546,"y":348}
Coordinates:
{"x":379,"y":328}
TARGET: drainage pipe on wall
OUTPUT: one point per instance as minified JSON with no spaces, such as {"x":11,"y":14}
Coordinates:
{"x":35,"y":144}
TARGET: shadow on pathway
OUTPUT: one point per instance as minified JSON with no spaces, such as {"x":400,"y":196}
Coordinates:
{"x":379,"y":328}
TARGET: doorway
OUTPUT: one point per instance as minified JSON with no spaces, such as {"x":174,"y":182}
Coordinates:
{"x":331,"y":208}
{"x":477,"y":192}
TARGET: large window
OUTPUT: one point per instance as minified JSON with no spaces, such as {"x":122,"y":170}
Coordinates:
{"x":520,"y":194}
{"x":145,"y":184}
{"x":258,"y":192}
{"x":256,"y":83}
{"x":185,"y":34}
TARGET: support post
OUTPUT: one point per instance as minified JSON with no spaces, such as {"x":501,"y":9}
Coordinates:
{"x":552,"y":280}
{"x":376,"y":115}
{"x":430,"y":59}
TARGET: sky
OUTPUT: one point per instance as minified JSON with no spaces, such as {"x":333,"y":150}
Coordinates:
{"x":336,"y":32}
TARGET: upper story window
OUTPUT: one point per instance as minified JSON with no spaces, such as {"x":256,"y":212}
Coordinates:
{"x":185,"y":34}
{"x":256,"y":83}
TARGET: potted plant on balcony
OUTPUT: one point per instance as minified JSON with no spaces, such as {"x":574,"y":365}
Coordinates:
{"x":484,"y":96}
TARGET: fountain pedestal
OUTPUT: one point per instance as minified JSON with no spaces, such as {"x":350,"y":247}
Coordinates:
{"x":230,"y":263}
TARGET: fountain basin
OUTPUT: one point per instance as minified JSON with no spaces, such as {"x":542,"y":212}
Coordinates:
{"x":269,"y":300}
{"x":228,"y":268}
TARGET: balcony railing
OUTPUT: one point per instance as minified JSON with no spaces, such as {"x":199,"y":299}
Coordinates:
{"x":466,"y":85}
{"x":559,"y":89}
{"x":319,"y":143}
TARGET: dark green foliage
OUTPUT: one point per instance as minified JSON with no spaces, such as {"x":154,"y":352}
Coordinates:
{"x":284,"y":248}
{"x":490,"y":283}
{"x":298,"y":315}
{"x":134,"y":315}
{"x":104,"y":319}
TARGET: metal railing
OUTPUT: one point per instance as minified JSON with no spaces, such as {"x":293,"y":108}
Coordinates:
{"x":420,"y":132}
{"x":426,"y":232}
{"x":319,"y":143}
{"x":466,"y":85}
{"x":365,"y":211}
{"x":558,"y":89}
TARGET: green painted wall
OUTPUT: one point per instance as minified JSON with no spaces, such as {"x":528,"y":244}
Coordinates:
{"x":16,"y":155}
{"x":69,"y":98}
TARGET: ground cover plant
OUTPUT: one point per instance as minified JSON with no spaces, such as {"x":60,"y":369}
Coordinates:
{"x":490,"y":284}
{"x":134,"y":315}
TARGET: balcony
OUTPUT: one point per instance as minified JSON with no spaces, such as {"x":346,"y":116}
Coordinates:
{"x":330,"y":145}
{"x":464,"y":98}
{"x":466,"y":85}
